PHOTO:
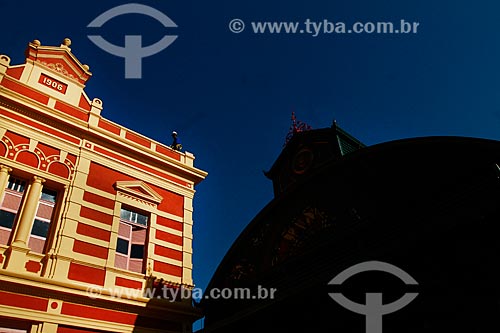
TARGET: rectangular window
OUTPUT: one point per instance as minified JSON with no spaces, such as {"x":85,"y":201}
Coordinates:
{"x":137,"y":251}
{"x":42,"y":222}
{"x":122,"y":246}
{"x":49,"y":196}
{"x":7,"y":219}
{"x":8,"y":325}
{"x":16,"y":184}
{"x":40,"y":228}
{"x":11,"y":330}
{"x":134,"y":217}
{"x":131,"y":243}
{"x":9,"y":207}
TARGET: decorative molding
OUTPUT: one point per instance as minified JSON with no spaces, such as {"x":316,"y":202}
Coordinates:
{"x":44,"y":161}
{"x":80,"y":132}
{"x":58,"y":67}
{"x":134,"y":198}
{"x":42,"y":118}
{"x":137,"y":189}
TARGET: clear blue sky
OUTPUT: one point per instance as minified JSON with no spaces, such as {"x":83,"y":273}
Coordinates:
{"x":230,"y":95}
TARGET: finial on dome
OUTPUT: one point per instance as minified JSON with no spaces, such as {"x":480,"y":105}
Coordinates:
{"x":296,"y":127}
{"x":36,"y":42}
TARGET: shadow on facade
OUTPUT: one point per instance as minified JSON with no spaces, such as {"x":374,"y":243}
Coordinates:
{"x":429,"y":206}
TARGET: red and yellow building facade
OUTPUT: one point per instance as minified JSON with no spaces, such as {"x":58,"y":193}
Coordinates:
{"x":92,"y":215}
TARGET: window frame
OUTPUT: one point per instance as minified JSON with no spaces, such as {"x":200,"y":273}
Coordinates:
{"x":133,"y":226}
{"x":18,"y":185}
{"x":53,"y":217}
{"x":17,"y":182}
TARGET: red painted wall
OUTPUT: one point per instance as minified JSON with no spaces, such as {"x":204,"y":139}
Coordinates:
{"x":122,"y":282}
{"x":168,"y":237}
{"x":99,"y":200}
{"x":58,"y":169}
{"x":23,"y":301}
{"x":168,"y":253}
{"x":103,"y":178}
{"x":98,"y":313}
{"x":91,"y":231}
{"x":86,"y":274}
{"x":167,"y":268}
{"x":90,"y":249}
{"x":169,"y":223}
{"x":95,"y":215}
{"x":28,"y":158}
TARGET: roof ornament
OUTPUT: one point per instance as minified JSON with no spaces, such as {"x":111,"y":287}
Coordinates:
{"x":176,"y":142}
{"x":296,"y":127}
{"x":66,"y":43}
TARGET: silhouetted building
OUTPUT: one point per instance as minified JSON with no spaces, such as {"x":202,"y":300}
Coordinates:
{"x":429,"y":206}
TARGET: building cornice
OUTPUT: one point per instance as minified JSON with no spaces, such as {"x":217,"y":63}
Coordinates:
{"x":78,"y":128}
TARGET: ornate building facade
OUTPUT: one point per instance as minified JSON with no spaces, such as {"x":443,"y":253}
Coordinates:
{"x":93,"y":216}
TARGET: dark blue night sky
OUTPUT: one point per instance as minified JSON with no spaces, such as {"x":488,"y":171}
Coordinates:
{"x":230,"y":96}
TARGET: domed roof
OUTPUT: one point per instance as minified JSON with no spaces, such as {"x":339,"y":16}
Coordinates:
{"x":385,"y":201}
